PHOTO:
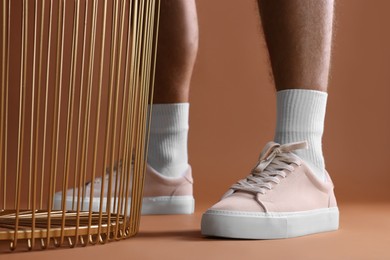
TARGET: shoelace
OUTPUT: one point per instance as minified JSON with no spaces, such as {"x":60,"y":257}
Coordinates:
{"x":274,"y":164}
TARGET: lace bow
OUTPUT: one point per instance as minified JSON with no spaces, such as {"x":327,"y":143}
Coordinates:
{"x":273,"y":165}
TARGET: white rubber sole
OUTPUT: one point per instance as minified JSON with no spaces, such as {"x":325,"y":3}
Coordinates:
{"x":271,"y":225}
{"x":168,"y":205}
{"x":150,"y":205}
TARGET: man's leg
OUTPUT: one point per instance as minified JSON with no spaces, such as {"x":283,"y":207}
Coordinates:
{"x":299,"y":38}
{"x":177,"y":50}
{"x":287,"y":195}
{"x":176,"y":54}
{"x":168,"y":184}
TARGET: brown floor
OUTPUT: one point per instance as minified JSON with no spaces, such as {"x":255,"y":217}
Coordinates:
{"x":364,"y":234}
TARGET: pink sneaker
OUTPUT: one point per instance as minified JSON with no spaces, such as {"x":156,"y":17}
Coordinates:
{"x":71,"y":203}
{"x":162,"y":195}
{"x":281,"y":198}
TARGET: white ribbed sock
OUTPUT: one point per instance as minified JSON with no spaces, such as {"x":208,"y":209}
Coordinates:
{"x":300,"y":116}
{"x":167,"y":152}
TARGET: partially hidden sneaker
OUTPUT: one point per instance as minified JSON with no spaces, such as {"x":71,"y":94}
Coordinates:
{"x":162,"y":195}
{"x":282,"y":198}
{"x":167,"y":195}
{"x":72,"y":194}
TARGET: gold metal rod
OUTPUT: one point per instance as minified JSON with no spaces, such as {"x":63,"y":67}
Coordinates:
{"x":6,"y":110}
{"x":122,"y":135}
{"x":39,"y":98}
{"x":133,"y":122}
{"x":76,"y":23}
{"x":144,"y":99}
{"x":113,"y":144}
{"x":22,"y":97}
{"x":138,"y":77}
{"x":139,"y":133}
{"x":46,"y":102}
{"x":21,"y":91}
{"x":126,"y":179}
{"x":156,"y":31}
{"x":124,"y":186}
{"x":90,"y":82}
{"x":153,"y":55}
{"x":109,"y":112}
{"x":69,"y":124}
{"x":120,"y":152}
{"x":3,"y":90}
{"x":145,"y":92}
{"x":97,"y":127}
{"x":31,"y":173}
{"x":60,"y":84}
{"x":56,"y":114}
{"x":132,"y":105}
{"x":119,"y":70}
{"x":145,"y":95}
{"x":125,"y":169}
{"x":149,"y":74}
{"x":152,"y":67}
{"x":123,"y":148}
{"x":32,"y":105}
{"x":78,"y":172}
{"x":87,"y":116}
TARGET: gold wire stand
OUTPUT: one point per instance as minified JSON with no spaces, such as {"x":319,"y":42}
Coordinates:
{"x":7,"y":219}
{"x":77,"y":78}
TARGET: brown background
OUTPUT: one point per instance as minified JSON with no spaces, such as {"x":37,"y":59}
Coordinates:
{"x":233,"y":116}
{"x":233,"y":99}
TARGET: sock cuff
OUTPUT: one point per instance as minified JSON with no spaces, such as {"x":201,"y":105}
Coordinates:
{"x":301,"y":110}
{"x":167,"y":151}
{"x":169,"y":117}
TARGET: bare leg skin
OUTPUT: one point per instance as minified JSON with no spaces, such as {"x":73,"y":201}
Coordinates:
{"x":177,"y":49}
{"x":176,"y":54}
{"x":299,"y":36}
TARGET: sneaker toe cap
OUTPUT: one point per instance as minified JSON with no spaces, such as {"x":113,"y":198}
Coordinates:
{"x":238,"y":201}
